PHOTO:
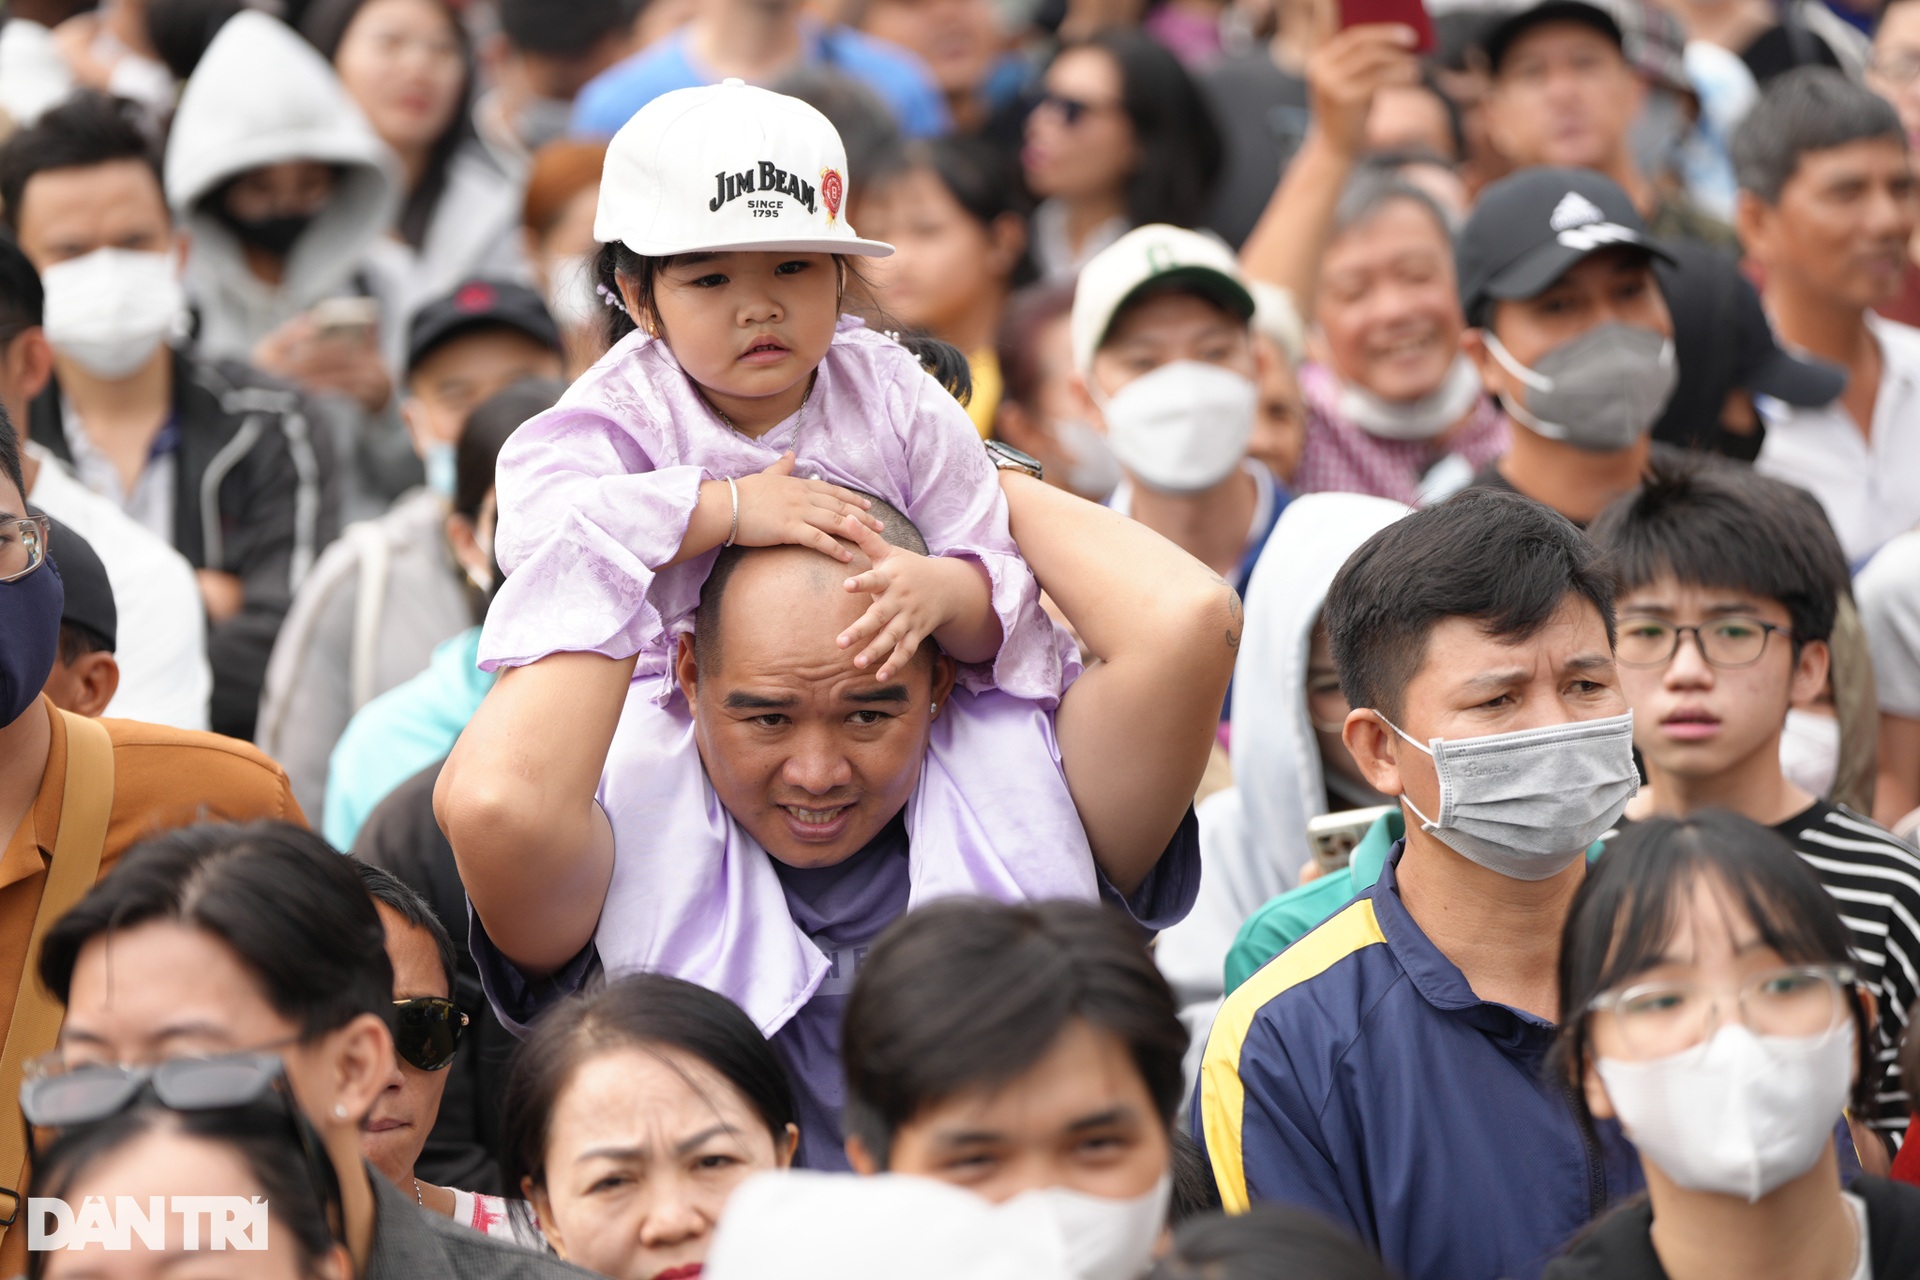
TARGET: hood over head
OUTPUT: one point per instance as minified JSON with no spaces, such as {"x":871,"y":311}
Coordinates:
{"x":262,"y":95}
{"x":1276,"y":757}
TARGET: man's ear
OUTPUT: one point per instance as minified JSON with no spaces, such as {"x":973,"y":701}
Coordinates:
{"x":686,"y":669}
{"x":1083,"y":401}
{"x":860,"y":1158}
{"x":412,"y":417}
{"x":96,"y":679}
{"x":1753,"y":221}
{"x":1374,"y":748}
{"x":787,"y":1147}
{"x":1473,"y":344}
{"x":1810,"y":673}
{"x":29,"y":366}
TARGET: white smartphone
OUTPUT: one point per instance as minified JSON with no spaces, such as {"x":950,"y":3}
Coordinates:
{"x":1333,"y":836}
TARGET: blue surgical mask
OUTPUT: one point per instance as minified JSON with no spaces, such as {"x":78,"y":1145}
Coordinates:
{"x":29,"y":637}
{"x":442,"y":460}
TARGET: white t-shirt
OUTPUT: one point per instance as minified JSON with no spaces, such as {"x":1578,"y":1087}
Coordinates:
{"x":162,"y":645}
{"x":1869,"y":485}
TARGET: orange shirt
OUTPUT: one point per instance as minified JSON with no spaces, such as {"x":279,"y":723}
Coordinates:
{"x":162,"y":779}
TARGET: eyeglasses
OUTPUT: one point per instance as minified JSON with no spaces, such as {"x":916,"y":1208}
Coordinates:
{"x":1659,"y":1019}
{"x":1899,"y":71}
{"x":57,"y":1094}
{"x":1073,"y":110}
{"x":427,"y":1031}
{"x":23,"y":546}
{"x":1724,"y":642}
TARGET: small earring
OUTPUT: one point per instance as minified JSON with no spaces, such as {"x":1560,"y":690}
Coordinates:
{"x":339,"y":1111}
{"x":936,"y":711}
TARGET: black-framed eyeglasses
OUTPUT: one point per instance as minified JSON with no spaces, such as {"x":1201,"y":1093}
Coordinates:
{"x":56,"y":1094}
{"x":427,"y":1031}
{"x":1724,"y":642}
{"x":23,"y":546}
{"x":1074,"y":110}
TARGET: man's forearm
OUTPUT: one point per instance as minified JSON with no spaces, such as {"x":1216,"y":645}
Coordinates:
{"x":1136,"y":729}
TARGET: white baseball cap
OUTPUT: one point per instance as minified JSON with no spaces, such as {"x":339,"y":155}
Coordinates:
{"x":727,"y":167}
{"x":1150,"y":255}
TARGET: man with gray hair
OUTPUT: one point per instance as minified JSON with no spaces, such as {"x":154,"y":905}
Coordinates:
{"x":1827,"y":209}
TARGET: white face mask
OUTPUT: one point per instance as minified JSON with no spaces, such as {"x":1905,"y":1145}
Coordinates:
{"x":570,"y":292}
{"x":1421,"y":419}
{"x":1092,"y":470}
{"x":1105,"y":1239}
{"x":1810,"y":751}
{"x":109,"y":310}
{"x":1182,"y":428}
{"x":1741,"y":1115}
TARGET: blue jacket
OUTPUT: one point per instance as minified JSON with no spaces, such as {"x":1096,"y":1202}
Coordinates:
{"x":1358,"y":1075}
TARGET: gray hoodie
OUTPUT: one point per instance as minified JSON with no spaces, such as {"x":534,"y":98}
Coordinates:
{"x":262,"y":95}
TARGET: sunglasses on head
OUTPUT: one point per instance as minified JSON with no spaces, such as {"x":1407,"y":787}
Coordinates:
{"x":56,"y":1095}
{"x":427,"y":1031}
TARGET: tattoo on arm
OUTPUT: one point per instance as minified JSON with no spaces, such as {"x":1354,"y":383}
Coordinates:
{"x":1234,"y":612}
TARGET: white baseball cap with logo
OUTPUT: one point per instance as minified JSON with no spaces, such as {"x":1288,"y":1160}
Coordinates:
{"x":1150,"y":255}
{"x":727,"y":167}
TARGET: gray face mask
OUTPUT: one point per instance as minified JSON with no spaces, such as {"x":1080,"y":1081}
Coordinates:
{"x":1601,"y":392}
{"x":1527,"y":804}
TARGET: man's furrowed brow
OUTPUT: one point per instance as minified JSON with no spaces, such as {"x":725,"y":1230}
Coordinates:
{"x":742,"y":700}
{"x":885,"y":693}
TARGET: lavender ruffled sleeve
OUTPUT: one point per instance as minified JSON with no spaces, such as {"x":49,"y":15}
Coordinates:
{"x":584,"y":520}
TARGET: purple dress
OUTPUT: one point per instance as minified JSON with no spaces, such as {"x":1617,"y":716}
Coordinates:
{"x":598,"y":491}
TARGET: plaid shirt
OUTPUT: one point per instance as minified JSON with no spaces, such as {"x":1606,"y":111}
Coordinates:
{"x":1342,"y":458}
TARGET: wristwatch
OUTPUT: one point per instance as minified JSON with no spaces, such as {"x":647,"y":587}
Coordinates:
{"x":1007,"y":458}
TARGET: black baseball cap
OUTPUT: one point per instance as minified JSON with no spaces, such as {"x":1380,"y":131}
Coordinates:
{"x":89,"y":593}
{"x":1500,"y":39}
{"x":479,"y":304}
{"x":1532,"y":227}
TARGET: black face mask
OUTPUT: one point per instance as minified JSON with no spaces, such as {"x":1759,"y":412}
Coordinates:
{"x":276,"y":235}
{"x":29,"y":638}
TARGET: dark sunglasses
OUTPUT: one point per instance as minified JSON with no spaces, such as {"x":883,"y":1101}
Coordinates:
{"x":427,"y":1031}
{"x":1073,"y":110}
{"x":56,"y":1096}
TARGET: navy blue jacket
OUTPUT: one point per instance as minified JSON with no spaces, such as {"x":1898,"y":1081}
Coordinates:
{"x":1358,"y":1075}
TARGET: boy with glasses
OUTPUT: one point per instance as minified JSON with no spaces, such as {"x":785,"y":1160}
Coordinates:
{"x":1728,"y":586}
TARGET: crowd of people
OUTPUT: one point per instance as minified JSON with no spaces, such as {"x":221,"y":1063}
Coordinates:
{"x":1077,"y":639}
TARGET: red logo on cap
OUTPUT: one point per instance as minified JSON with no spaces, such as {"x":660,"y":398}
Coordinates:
{"x":831,"y":190}
{"x":475,"y":297}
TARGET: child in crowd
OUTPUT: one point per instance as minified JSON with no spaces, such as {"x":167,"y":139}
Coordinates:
{"x":746,"y":410}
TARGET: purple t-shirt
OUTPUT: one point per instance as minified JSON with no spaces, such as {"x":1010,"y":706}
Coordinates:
{"x":842,"y":908}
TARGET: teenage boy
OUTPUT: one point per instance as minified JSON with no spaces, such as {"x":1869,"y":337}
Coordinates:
{"x":1827,"y":210}
{"x":1486,"y":617}
{"x":1016,"y":1048}
{"x":384,"y":596}
{"x":230,"y":469}
{"x":1728,"y":584}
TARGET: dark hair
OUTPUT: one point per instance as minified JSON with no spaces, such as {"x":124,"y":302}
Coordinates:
{"x":292,"y":910}
{"x":77,"y":640}
{"x":1501,"y":560}
{"x":569,"y":30}
{"x":1267,"y":1242}
{"x":1194,"y":1190}
{"x":967,"y":993}
{"x":181,"y":30}
{"x":10,"y":454}
{"x":258,"y":1134}
{"x":615,"y":262}
{"x":325,"y":26}
{"x":1805,"y":109}
{"x":489,"y":425}
{"x":1720,"y":525}
{"x":86,"y":130}
{"x":1018,"y":342}
{"x":1181,"y":152}
{"x":982,"y":179}
{"x":1630,"y":903}
{"x":945,"y":363}
{"x":897,"y":530}
{"x":399,"y":897}
{"x":646,"y":1011}
{"x":23,"y":302}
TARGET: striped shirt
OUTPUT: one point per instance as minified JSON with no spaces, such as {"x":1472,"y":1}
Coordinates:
{"x":1874,"y":880}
